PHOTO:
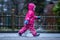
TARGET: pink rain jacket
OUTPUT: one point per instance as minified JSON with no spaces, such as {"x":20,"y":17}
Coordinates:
{"x":30,"y":16}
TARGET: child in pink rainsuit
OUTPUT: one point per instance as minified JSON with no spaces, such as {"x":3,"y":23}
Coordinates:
{"x":29,"y":20}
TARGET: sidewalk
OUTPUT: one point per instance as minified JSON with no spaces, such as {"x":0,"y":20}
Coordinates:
{"x":43,"y":36}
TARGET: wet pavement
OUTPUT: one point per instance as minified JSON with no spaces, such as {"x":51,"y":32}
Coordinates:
{"x":42,"y":36}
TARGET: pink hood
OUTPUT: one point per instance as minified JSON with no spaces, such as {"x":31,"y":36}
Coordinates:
{"x":31,"y":6}
{"x":30,"y":16}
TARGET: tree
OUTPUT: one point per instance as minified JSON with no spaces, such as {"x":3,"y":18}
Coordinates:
{"x":56,"y":11}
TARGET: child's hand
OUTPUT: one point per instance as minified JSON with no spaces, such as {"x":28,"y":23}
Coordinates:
{"x":38,"y":17}
{"x":26,"y":22}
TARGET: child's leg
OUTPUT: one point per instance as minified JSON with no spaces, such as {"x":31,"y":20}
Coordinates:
{"x":23,"y":30}
{"x":32,"y":29}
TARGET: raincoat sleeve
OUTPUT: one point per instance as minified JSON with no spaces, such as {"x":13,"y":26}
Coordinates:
{"x":37,"y":17}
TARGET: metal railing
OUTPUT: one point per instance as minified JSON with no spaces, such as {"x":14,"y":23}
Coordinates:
{"x":14,"y":25}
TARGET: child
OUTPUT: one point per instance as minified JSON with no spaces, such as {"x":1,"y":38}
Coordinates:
{"x":29,"y":20}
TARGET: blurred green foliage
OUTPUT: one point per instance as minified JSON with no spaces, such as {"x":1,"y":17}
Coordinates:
{"x":56,"y":11}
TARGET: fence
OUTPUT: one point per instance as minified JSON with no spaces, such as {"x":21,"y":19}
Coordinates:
{"x":15,"y":22}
